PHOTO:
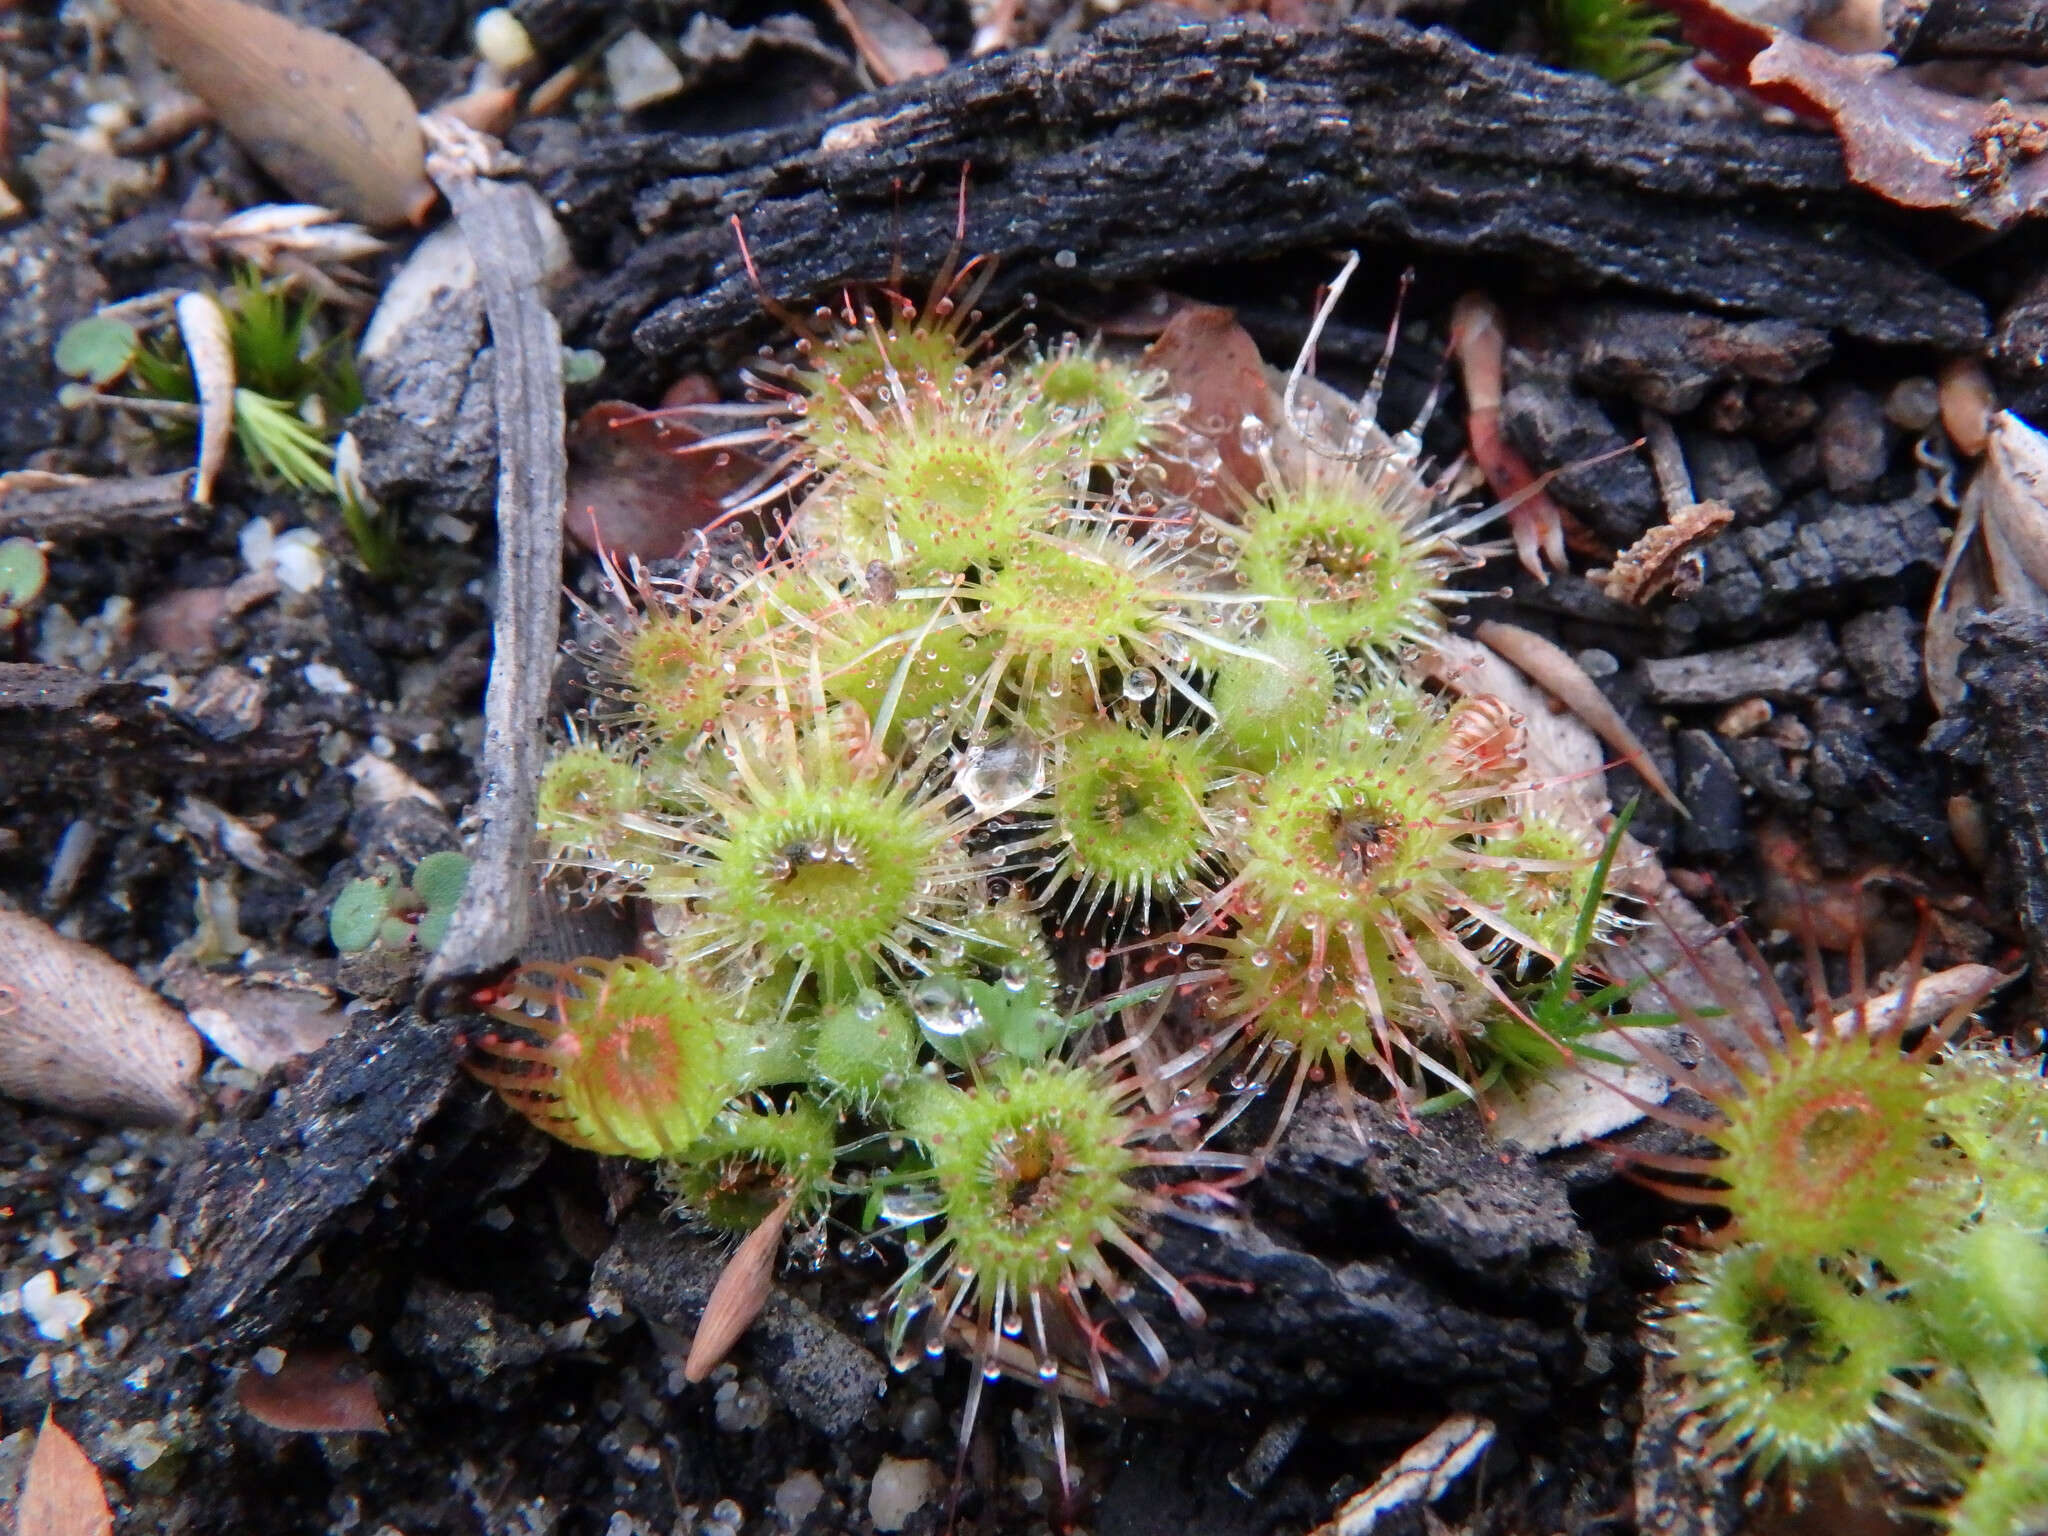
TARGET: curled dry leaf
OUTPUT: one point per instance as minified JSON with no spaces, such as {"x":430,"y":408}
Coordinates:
{"x":80,"y":1034}
{"x":1554,"y":670}
{"x":1998,"y":556}
{"x":893,"y":43}
{"x":61,"y":1494}
{"x":205,"y":331}
{"x":736,"y":1300}
{"x":1918,"y":147}
{"x":328,"y":121}
{"x":1659,"y":561}
{"x":316,"y":1391}
{"x":639,"y":486}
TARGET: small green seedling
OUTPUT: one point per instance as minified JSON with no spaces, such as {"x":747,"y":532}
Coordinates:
{"x":1621,"y":41}
{"x":23,"y":572}
{"x":381,"y":909}
{"x":97,"y":349}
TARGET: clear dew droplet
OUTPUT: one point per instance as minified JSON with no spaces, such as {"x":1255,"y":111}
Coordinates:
{"x":1140,"y":683}
{"x":943,"y":1008}
{"x":1016,"y":976}
{"x":1003,"y":774}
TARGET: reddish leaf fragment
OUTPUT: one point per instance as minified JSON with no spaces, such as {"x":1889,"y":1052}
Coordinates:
{"x":1211,"y":359}
{"x":62,"y":1494}
{"x":893,"y":43}
{"x":313,"y":1390}
{"x":637,"y":488}
{"x":1918,"y":147}
{"x":736,"y":1300}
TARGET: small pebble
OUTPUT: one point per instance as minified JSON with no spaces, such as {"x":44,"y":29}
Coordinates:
{"x":322,"y":677}
{"x":1744,"y":718}
{"x":1914,"y":404}
{"x":502,"y":41}
{"x":797,"y":1498}
{"x":1778,"y":415}
{"x":57,"y":1314}
{"x":1855,"y":442}
{"x":900,"y":1490}
{"x":639,"y":73}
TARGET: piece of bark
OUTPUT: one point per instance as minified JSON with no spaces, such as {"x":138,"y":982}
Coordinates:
{"x":495,"y":914}
{"x":1156,"y":145}
{"x":2007,"y":670}
{"x":66,"y":730}
{"x":1964,"y":29}
{"x":62,"y":507}
{"x":259,"y":1194}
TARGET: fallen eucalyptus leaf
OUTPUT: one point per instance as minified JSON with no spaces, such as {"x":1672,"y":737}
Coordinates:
{"x":318,"y":113}
{"x":1554,"y":670}
{"x":62,"y":1494}
{"x":80,"y":1034}
{"x":637,"y":488}
{"x":736,"y":1300}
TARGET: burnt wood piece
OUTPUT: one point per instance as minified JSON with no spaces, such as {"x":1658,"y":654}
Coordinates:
{"x":258,"y":1194}
{"x":64,"y":729}
{"x":1962,"y":29}
{"x":1157,"y":145}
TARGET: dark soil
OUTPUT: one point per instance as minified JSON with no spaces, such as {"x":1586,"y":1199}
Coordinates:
{"x":522,"y":1309}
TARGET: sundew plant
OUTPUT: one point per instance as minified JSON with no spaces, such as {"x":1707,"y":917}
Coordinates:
{"x":1005,"y":821}
{"x":1876,"y":1300}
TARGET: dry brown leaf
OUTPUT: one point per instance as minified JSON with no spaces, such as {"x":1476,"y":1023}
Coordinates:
{"x":637,"y":488}
{"x":62,"y":1494}
{"x":315,"y":111}
{"x":1210,"y":358}
{"x":314,"y":1391}
{"x":257,"y":1023}
{"x":893,"y":43}
{"x":1998,"y":555}
{"x":736,"y":1300}
{"x":80,"y":1034}
{"x":1918,"y":147}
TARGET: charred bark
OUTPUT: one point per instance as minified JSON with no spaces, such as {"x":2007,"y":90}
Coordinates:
{"x":1157,"y":146}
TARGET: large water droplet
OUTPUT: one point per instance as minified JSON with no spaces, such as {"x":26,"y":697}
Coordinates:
{"x":1254,"y":434}
{"x":1140,"y":683}
{"x":1003,"y":774}
{"x":901,"y":1207}
{"x":943,"y":1008}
